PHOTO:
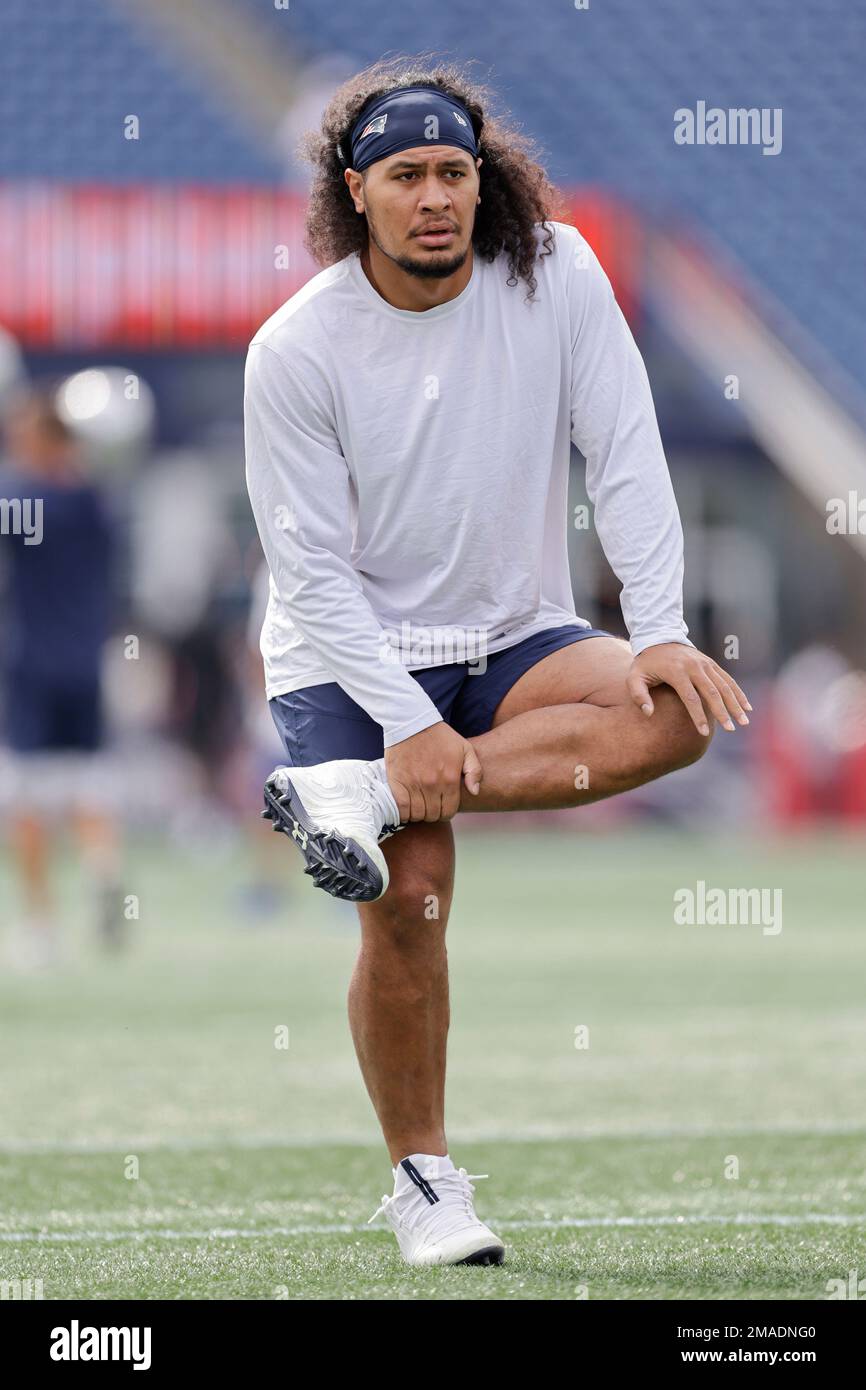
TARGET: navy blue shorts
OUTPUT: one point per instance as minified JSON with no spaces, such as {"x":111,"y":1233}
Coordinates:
{"x":321,"y":722}
{"x":49,"y":715}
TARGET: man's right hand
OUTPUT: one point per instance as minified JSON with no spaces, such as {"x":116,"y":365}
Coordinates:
{"x":425,"y":773}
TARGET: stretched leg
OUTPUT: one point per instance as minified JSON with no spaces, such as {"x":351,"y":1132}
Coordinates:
{"x":568,"y":733}
{"x":99,"y":843}
{"x":571,"y":710}
{"x":398,"y":996}
{"x":100,"y":851}
{"x":30,"y":846}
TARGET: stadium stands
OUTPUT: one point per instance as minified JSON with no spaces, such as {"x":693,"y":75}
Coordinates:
{"x":69,"y":76}
{"x":597,"y":87}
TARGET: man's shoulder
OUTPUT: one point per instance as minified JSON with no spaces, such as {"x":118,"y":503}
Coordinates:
{"x":301,"y":316}
{"x":559,"y":246}
{"x":576,"y":268}
{"x":559,"y":239}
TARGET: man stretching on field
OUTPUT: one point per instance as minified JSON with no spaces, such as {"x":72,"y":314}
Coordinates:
{"x":409,"y":417}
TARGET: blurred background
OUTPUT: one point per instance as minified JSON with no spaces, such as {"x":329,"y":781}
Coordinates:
{"x":150,"y":218}
{"x":151,"y":208}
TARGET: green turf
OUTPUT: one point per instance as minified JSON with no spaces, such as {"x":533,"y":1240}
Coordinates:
{"x":258,"y":1166}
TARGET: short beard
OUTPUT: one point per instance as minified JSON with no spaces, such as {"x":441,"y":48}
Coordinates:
{"x":429,"y":270}
{"x":422,"y":270}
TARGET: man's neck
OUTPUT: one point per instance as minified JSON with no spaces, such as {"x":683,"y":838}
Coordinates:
{"x":413,"y":292}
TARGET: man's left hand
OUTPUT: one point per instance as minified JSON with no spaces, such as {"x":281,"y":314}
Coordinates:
{"x":694,"y":677}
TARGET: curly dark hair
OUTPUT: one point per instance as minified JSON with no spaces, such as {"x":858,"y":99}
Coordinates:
{"x":516,"y":193}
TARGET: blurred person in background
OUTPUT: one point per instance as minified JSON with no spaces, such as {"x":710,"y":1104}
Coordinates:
{"x":182,"y":549}
{"x":57,"y":547}
{"x":265,"y":894}
{"x":813,"y":745}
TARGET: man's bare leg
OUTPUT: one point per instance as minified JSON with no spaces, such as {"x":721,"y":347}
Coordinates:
{"x":398,"y":996}
{"x":571,"y":708}
{"x":30,"y":845}
{"x":568,"y":733}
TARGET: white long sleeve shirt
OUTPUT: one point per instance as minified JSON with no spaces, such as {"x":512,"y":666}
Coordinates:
{"x":408,"y":473}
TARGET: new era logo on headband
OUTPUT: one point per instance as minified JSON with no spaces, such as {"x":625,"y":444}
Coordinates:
{"x":458,"y":117}
{"x":375,"y":127}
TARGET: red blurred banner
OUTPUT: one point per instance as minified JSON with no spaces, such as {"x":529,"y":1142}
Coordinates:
{"x":180,"y":267}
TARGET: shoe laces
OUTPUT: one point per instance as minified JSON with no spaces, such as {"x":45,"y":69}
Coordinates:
{"x":457,"y":1183}
{"x":388,"y":830}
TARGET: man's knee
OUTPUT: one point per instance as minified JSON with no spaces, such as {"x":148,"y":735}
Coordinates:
{"x":675,"y":742}
{"x":410,"y":916}
{"x":416,"y":898}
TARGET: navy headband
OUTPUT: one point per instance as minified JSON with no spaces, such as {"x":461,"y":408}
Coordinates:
{"x":404,"y":119}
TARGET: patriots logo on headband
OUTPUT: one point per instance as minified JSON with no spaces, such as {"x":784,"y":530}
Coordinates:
{"x":375,"y":127}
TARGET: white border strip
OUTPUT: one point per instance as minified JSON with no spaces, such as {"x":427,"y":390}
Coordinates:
{"x":12,"y":1148}
{"x":542,"y":1224}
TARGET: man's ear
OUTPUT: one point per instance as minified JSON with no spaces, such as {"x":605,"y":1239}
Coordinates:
{"x":351,"y":178}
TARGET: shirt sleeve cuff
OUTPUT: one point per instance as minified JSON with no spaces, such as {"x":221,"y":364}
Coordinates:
{"x":653,"y":639}
{"x":414,"y":726}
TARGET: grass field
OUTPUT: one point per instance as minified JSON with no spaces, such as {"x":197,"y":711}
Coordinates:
{"x":712,"y":1050}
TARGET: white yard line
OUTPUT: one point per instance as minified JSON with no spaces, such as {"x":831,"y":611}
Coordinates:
{"x":540,"y":1224}
{"x":529,"y":1135}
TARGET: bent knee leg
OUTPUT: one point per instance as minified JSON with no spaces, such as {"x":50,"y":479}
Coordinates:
{"x":673,"y":740}
{"x":413,"y":911}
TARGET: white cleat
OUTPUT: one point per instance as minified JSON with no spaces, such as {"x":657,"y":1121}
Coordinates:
{"x":432,"y":1215}
{"x":337,"y":813}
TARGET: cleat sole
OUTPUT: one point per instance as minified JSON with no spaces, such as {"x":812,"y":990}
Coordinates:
{"x":338,"y":866}
{"x":490,"y":1255}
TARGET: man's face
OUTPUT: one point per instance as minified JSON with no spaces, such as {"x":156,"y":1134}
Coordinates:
{"x":408,"y":194}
